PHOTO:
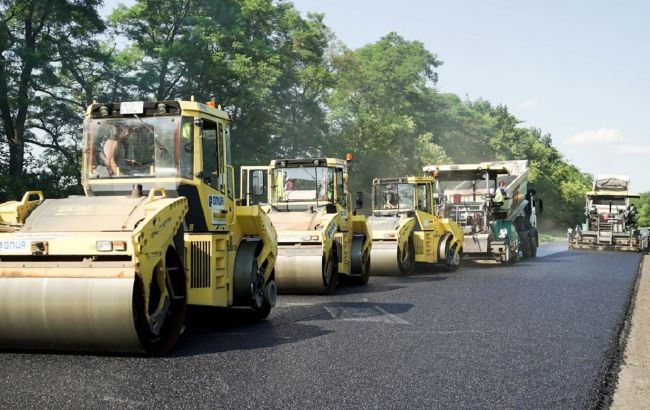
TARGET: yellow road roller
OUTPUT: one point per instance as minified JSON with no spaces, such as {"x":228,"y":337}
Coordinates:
{"x":319,"y":234}
{"x":157,"y":230}
{"x":406,"y":229}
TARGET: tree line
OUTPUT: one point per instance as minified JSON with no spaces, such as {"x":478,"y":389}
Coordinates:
{"x":294,"y":90}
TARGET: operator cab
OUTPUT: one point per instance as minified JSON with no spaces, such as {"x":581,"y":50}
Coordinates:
{"x":394,"y":196}
{"x":304,"y":184}
{"x":181,"y":146}
{"x":470,"y":186}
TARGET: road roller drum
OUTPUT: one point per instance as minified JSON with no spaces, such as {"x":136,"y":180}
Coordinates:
{"x":406,"y":229}
{"x":115,"y":270}
{"x":321,"y":239}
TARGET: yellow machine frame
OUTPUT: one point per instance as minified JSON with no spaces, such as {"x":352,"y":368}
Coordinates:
{"x":304,"y":252}
{"x":415,"y":235}
{"x":161,"y":224}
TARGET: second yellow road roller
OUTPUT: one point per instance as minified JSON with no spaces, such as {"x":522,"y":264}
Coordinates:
{"x":406,"y":229}
{"x":319,"y":234}
{"x":157,"y":230}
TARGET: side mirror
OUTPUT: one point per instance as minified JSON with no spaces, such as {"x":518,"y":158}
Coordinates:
{"x":540,"y":206}
{"x":359,"y":199}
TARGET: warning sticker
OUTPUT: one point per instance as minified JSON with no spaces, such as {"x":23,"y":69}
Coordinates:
{"x":217,"y":206}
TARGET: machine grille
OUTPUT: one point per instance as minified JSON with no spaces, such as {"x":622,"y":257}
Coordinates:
{"x":200,"y":256}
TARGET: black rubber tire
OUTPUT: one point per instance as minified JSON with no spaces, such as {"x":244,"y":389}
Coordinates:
{"x":406,"y":263}
{"x":526,"y":245}
{"x":533,"y":247}
{"x":170,"y":330}
{"x":262,"y":312}
{"x":245,"y":274}
{"x":449,"y":260}
{"x":360,"y":263}
{"x":514,"y":258}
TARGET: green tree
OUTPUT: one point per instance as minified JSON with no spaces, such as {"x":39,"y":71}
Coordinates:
{"x":380,"y":107}
{"x":258,"y":58}
{"x":560,"y":184}
{"x":34,"y":36}
{"x":643,"y":208}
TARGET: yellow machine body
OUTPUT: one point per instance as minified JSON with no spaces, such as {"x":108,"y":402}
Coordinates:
{"x":115,"y":270}
{"x":406,"y":229}
{"x":319,"y":235}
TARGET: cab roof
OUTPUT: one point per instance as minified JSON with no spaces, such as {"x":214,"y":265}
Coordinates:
{"x":308,"y":162}
{"x":149,"y":108}
{"x":404,"y":180}
{"x":466,"y":172}
{"x":611,"y":194}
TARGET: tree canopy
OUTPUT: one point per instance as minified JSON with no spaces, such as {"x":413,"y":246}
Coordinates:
{"x":294,"y":90}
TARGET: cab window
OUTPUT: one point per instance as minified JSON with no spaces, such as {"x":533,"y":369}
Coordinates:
{"x":424,"y":202}
{"x":210,"y":154}
{"x":340,"y":194}
{"x":187,"y":147}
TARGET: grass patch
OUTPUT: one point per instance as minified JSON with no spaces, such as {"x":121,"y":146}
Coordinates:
{"x":551,"y":236}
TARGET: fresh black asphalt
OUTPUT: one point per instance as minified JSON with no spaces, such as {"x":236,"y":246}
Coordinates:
{"x":532,"y":335}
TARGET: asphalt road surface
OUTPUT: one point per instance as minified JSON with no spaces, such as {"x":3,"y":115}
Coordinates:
{"x":536,"y":334}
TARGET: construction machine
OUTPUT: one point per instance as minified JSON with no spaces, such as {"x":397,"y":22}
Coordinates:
{"x":320,"y":237}
{"x":158,"y":230}
{"x":494,"y":206}
{"x":611,"y":222}
{"x":406,"y":229}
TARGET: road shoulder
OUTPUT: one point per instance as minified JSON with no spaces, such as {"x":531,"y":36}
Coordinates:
{"x":633,"y":388}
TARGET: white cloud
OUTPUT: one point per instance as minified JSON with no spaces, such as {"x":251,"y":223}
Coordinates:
{"x":528,"y":104}
{"x":634,"y":149}
{"x":601,"y":136}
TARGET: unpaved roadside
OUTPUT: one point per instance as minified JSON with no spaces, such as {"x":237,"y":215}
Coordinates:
{"x":633,"y":388}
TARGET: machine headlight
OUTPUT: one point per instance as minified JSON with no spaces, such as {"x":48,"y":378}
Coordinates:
{"x":309,"y":238}
{"x":104,"y":246}
{"x":108,"y":246}
{"x":503,"y":233}
{"x":390,"y":235}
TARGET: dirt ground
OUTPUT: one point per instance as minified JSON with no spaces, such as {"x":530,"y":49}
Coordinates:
{"x":633,"y":389}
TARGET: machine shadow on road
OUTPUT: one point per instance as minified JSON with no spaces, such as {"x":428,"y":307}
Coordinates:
{"x":419,"y":278}
{"x":481,"y":264}
{"x":212,"y":330}
{"x":372,"y":287}
{"x":377,"y":283}
{"x":245,"y":337}
{"x":489,"y":264}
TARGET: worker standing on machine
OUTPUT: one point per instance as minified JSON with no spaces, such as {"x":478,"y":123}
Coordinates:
{"x":500,"y":193}
{"x":289,"y":186}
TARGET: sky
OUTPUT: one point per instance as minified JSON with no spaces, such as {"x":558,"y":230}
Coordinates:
{"x":577,"y":70}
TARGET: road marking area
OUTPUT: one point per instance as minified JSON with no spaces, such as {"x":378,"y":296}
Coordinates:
{"x":364,"y":314}
{"x":294,"y":304}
